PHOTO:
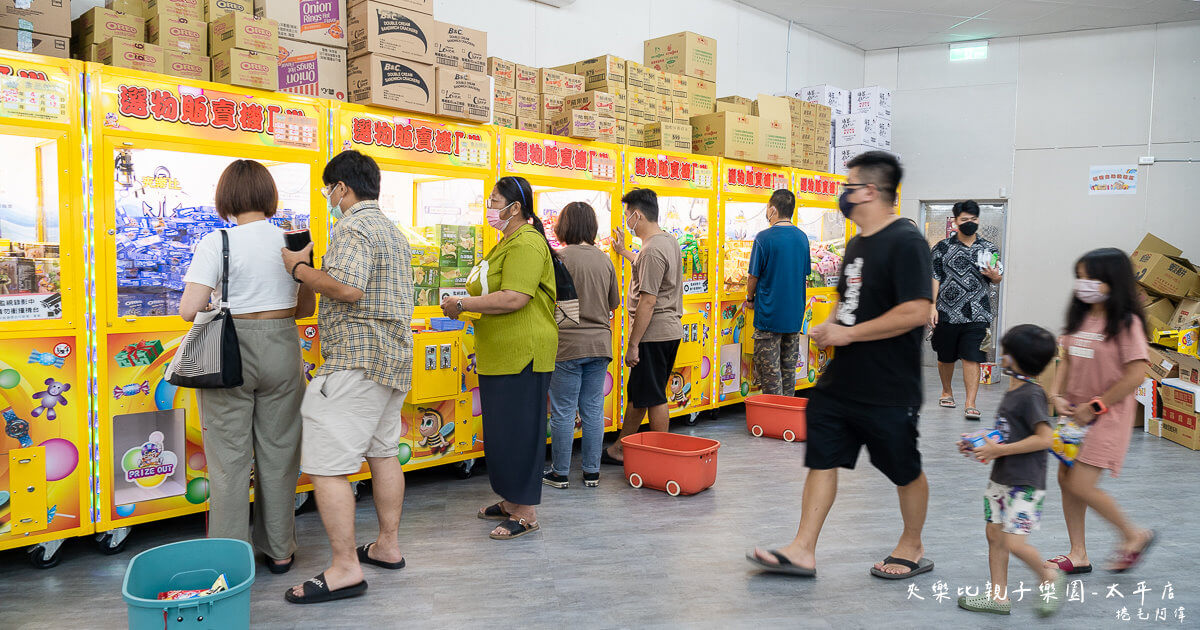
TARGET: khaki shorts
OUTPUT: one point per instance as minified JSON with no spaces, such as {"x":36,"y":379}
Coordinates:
{"x":347,"y":417}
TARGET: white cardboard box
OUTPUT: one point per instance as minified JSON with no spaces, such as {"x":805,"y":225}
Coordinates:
{"x":885,"y":133}
{"x":856,"y":130}
{"x":840,"y":155}
{"x":832,"y":97}
{"x":872,"y":101}
{"x":312,"y":69}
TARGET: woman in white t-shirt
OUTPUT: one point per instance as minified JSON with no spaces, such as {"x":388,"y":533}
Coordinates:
{"x":257,"y":424}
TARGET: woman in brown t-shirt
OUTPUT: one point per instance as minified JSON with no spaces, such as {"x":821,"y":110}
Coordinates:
{"x":585,"y":351}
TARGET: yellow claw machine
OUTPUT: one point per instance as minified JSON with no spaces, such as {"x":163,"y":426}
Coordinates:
{"x":745,"y":191}
{"x":686,"y":186}
{"x":817,"y":214}
{"x":562,"y":170}
{"x":45,"y":455}
{"x":159,"y":145}
{"x":436,"y":177}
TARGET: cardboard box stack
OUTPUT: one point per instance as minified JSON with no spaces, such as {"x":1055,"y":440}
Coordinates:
{"x":1171,"y":300}
{"x":400,"y":57}
{"x":311,"y":57}
{"x":861,"y":121}
{"x":811,"y":134}
{"x":244,"y":50}
{"x":36,"y":26}
{"x":678,"y":73}
{"x":103,"y":35}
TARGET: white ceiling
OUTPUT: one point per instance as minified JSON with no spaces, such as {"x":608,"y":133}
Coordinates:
{"x":875,"y":24}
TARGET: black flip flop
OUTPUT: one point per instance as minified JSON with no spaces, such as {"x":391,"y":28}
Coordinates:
{"x":609,"y":460}
{"x":515,"y":529}
{"x":364,"y":557}
{"x":280,"y":569}
{"x":494,"y":513}
{"x":784,"y":567}
{"x":317,"y":591}
{"x":924,"y":565}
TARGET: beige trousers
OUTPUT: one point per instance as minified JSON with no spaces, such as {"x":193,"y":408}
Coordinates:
{"x":256,"y":424}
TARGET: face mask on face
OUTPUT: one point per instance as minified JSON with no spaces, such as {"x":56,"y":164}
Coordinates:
{"x":632,"y":226}
{"x":494,"y":220}
{"x":334,"y":209}
{"x":968,"y":229}
{"x":844,"y":203}
{"x":1088,"y":291}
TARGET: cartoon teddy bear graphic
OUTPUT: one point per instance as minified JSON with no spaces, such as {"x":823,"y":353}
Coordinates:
{"x":50,"y":398}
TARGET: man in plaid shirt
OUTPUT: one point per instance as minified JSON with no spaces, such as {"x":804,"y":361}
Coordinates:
{"x":352,"y":407}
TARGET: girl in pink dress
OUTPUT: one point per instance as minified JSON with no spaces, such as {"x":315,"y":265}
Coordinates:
{"x":1106,"y":354}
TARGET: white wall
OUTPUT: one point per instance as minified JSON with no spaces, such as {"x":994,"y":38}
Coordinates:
{"x":1031,"y":119}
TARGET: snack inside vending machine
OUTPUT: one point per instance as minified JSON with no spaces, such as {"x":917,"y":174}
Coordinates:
{"x":827,"y":229}
{"x":745,"y":192}
{"x":436,"y":177}
{"x":45,"y":467}
{"x":687,"y":205}
{"x":563,"y":170}
{"x":160,"y":147}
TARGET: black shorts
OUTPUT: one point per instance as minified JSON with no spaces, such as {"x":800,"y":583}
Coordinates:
{"x":953,"y":342}
{"x":648,"y":379}
{"x":838,"y":429}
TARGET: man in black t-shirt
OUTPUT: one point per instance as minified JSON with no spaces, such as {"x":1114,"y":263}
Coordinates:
{"x":870,"y":394}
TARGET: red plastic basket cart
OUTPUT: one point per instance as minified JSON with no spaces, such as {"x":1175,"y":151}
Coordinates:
{"x":676,"y":464}
{"x":779,"y":417}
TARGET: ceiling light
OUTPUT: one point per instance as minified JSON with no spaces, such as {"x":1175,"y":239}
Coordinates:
{"x":968,"y":51}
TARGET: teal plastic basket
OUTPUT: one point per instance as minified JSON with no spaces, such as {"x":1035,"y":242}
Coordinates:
{"x":191,"y":564}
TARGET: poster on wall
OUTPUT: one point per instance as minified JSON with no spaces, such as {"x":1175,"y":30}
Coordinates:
{"x":1113,"y":180}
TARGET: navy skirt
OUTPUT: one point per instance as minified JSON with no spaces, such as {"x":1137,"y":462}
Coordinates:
{"x":514,"y":433}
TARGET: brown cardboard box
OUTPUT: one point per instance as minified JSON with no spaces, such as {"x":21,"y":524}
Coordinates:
{"x":702,"y":96}
{"x":126,"y":53}
{"x":1159,"y":314}
{"x":605,"y":69}
{"x":246,"y":68}
{"x":504,"y":72}
{"x":1159,"y":267}
{"x":1189,"y":367}
{"x":573,"y":83}
{"x":735,"y":104}
{"x":87,"y":53}
{"x":315,"y":21}
{"x":526,"y":78}
{"x":635,"y":134}
{"x":49,"y":17}
{"x":312,"y":69}
{"x":1186,"y":315}
{"x":396,"y":83}
{"x":1179,"y":413}
{"x":726,"y":134}
{"x":532,"y":124}
{"x":567,"y":68}
{"x":679,"y":86}
{"x":132,"y":7}
{"x":775,"y":129}
{"x":671,"y":136}
{"x":1161,"y":363}
{"x":504,"y":120}
{"x":636,"y":104}
{"x":420,"y":6}
{"x":459,"y":47}
{"x":662,"y":83}
{"x":37,"y":43}
{"x":551,"y":106}
{"x":174,"y":32}
{"x":464,"y":95}
{"x":98,"y":25}
{"x":683,"y":53}
{"x":666,"y":110}
{"x":681,"y":111}
{"x":505,"y":101}
{"x":529,"y":105}
{"x":576,"y":124}
{"x":635,"y":75}
{"x":606,"y":129}
{"x":621,"y":103}
{"x":649,"y":110}
{"x":178,"y":63}
{"x":622,"y":130}
{"x":380,"y":28}
{"x":602,"y":103}
{"x":211,"y":10}
{"x":244,"y":32}
{"x":550,"y":81}
{"x":186,"y":8}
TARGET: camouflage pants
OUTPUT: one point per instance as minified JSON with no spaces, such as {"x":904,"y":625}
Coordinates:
{"x":775,"y":358}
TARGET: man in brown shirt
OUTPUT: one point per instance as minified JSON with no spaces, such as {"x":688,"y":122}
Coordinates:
{"x":656,"y":307}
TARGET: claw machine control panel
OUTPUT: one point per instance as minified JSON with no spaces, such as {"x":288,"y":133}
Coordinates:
{"x":436,"y":176}
{"x":687,"y":206}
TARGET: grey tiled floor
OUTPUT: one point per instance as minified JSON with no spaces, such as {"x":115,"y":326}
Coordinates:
{"x":615,"y":557}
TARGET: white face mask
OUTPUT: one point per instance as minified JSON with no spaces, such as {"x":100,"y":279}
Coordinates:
{"x":1088,"y":291}
{"x":632,"y":227}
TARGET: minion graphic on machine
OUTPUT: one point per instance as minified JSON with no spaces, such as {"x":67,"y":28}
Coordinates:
{"x":436,"y":434}
{"x":678,"y":390}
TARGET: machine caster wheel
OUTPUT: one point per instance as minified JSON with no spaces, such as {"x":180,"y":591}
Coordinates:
{"x":47,"y":554}
{"x":692,"y":418}
{"x":464,"y":469}
{"x":303,"y":501}
{"x":112,"y":541}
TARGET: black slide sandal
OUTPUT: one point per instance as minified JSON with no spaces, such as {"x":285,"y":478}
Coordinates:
{"x":494,"y":513}
{"x":924,"y":565}
{"x":280,"y":569}
{"x":364,"y":557}
{"x":317,"y":591}
{"x":785,"y":566}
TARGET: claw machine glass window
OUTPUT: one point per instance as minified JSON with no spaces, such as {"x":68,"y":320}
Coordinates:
{"x":686,"y":218}
{"x":440,"y":217}
{"x":30,"y":280}
{"x":164,"y":206}
{"x":743,"y":221}
{"x":826,"y":231}
{"x":549,"y":202}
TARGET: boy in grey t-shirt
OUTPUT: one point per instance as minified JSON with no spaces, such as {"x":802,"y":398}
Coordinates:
{"x":1017,"y":487}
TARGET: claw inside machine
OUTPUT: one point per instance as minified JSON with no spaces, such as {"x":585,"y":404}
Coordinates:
{"x":160,"y":148}
{"x":687,"y":205}
{"x":745,"y":191}
{"x":562,"y":170}
{"x":436,"y":176}
{"x":45,"y":466}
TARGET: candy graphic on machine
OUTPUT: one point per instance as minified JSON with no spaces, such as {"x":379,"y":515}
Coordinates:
{"x":16,"y":428}
{"x":133,"y":389}
{"x":307,"y":344}
{"x":45,"y":358}
{"x":50,"y":398}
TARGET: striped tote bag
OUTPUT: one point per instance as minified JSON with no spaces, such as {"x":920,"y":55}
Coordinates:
{"x":210,"y":357}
